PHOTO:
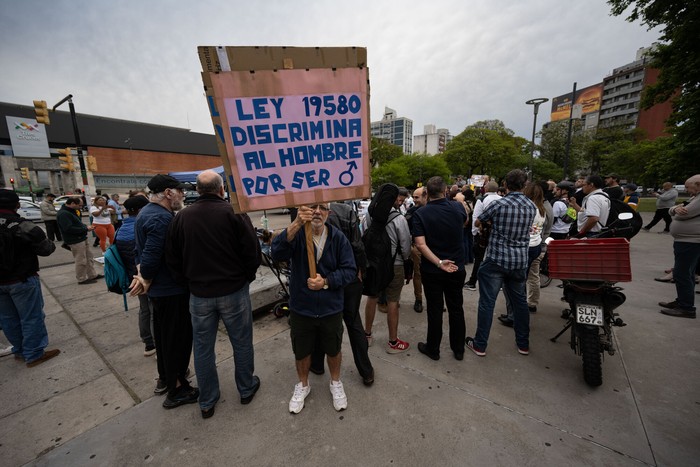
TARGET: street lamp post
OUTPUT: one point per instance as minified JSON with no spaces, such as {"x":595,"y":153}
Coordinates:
{"x":535,"y":103}
{"x":79,"y":147}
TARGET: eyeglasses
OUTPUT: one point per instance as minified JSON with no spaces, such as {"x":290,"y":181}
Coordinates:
{"x":320,"y":207}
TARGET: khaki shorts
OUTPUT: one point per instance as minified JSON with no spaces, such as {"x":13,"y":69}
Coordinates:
{"x":393,"y":290}
{"x":305,"y":331}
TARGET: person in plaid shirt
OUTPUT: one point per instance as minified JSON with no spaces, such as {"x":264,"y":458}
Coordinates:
{"x":505,"y":263}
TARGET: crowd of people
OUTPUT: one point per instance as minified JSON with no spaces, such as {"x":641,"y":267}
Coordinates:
{"x":194,"y":269}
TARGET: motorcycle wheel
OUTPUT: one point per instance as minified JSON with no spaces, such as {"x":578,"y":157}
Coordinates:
{"x":590,"y":352}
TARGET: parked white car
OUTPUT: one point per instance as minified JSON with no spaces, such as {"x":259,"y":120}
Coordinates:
{"x":30,"y":211}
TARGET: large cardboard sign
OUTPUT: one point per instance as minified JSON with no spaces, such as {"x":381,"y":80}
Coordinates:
{"x":290,"y":136}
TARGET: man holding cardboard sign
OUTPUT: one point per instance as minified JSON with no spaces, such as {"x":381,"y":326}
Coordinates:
{"x":322,"y":265}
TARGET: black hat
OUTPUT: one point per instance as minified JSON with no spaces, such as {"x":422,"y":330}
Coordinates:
{"x":565,"y":185}
{"x":631,"y":186}
{"x":8,"y":199}
{"x":163,"y":182}
{"x":135,"y":203}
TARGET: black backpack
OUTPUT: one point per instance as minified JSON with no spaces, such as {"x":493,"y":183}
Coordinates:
{"x":380,"y":261}
{"x":616,"y":208}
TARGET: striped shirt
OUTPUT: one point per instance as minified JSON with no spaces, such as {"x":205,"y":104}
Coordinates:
{"x":511,"y":217}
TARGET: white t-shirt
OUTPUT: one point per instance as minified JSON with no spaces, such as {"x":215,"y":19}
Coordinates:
{"x":536,"y":229}
{"x":100,"y":219}
{"x":597,"y":205}
{"x":558,"y":209}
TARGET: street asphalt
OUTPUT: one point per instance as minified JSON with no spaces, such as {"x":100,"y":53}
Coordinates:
{"x":94,"y":403}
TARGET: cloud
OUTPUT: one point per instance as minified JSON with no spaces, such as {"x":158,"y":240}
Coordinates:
{"x":448,"y":63}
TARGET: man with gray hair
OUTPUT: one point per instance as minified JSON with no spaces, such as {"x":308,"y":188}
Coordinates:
{"x":172,"y":326}
{"x":216,"y":253}
{"x":685,"y":230}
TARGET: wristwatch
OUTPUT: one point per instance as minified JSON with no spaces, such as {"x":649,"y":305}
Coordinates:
{"x":439,"y":264}
{"x":325,"y":284}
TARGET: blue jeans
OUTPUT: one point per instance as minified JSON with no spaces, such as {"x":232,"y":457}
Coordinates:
{"x":236,"y":313}
{"x":532,"y":253}
{"x":687,"y":256}
{"x":22,"y":318}
{"x":491,"y":278}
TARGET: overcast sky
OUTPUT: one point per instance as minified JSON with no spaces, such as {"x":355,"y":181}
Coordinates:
{"x":449,"y":63}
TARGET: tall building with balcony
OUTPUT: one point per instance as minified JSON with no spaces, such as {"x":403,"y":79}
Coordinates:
{"x":622,"y":91}
{"x":433,"y":141}
{"x":396,"y":130}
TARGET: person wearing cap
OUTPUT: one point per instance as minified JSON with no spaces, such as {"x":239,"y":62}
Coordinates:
{"x":21,"y":303}
{"x":75,"y":235}
{"x":172,"y":325}
{"x":631,"y":196}
{"x":216,"y":252}
{"x":48,"y":217}
{"x":125,"y":242}
{"x":613,"y":188}
{"x":562,"y":221}
{"x":593,"y":212}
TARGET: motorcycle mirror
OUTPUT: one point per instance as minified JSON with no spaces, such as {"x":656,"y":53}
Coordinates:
{"x":625,"y":216}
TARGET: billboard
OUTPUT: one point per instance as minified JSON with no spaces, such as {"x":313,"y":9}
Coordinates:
{"x":28,"y":138}
{"x":589,"y":98}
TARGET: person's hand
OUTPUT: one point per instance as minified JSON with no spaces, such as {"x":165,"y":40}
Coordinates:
{"x":305,"y":214}
{"x":682,"y":210}
{"x":448,"y":266}
{"x":139,"y":286}
{"x":90,"y":227}
{"x":315,"y":283}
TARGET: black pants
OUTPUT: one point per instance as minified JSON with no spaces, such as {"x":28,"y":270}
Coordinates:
{"x":356,"y":332}
{"x":448,"y":286}
{"x":52,"y":231}
{"x":658,"y":215}
{"x":478,"y":258}
{"x":172,"y":332}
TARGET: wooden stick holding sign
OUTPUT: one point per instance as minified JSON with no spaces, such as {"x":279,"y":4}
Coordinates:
{"x":310,"y":249}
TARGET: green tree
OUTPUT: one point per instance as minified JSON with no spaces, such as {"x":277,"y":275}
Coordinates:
{"x":383,"y":151}
{"x":409,"y":170}
{"x":486,"y":147}
{"x":678,"y":60}
{"x":553,"y":145}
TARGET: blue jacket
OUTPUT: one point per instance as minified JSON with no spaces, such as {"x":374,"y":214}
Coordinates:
{"x":126,"y":243}
{"x":337,"y":265}
{"x":150,"y":230}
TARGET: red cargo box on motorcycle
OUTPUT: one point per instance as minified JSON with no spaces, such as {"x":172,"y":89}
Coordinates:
{"x":593,"y":259}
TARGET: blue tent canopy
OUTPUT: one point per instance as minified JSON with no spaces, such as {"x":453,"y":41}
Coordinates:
{"x":191,"y":177}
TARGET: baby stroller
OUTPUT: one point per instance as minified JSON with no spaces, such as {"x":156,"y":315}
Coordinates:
{"x":279,"y":269}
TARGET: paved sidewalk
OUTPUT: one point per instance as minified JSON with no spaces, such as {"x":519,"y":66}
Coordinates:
{"x":94,"y":405}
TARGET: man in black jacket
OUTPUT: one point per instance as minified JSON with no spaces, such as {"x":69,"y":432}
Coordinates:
{"x":21,"y":302}
{"x":344,"y":218}
{"x":216,"y":253}
{"x":74,"y":234}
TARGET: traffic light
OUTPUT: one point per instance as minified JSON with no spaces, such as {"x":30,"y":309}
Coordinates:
{"x":25,"y":173}
{"x":66,"y":159}
{"x":42,"y":112}
{"x":91,"y":163}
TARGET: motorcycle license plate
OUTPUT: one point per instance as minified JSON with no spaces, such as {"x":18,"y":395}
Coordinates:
{"x":589,"y":314}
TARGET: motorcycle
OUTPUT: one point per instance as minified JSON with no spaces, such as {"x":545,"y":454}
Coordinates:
{"x":589,"y":269}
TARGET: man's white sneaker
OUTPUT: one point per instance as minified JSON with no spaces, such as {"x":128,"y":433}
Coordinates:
{"x":297,"y":401}
{"x":340,"y":400}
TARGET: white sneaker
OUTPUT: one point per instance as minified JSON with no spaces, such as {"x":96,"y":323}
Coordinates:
{"x":340,"y":400}
{"x":297,"y":401}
